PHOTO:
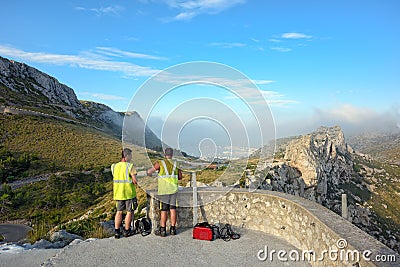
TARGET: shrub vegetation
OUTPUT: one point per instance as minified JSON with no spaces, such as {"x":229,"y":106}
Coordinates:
{"x":78,"y":193}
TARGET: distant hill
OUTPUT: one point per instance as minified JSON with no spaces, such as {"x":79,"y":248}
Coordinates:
{"x":25,"y":87}
{"x":383,"y":147}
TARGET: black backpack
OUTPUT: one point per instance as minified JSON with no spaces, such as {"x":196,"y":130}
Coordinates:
{"x":143,"y":226}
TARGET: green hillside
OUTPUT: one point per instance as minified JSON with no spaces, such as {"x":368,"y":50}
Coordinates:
{"x":384,"y":183}
{"x":76,"y":159}
{"x":58,"y":145}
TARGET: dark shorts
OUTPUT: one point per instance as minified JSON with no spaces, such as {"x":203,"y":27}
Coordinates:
{"x":129,"y":205}
{"x":168,"y":202}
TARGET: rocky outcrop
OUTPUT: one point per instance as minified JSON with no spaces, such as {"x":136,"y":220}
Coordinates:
{"x":313,"y":166}
{"x":30,"y":83}
{"x":321,"y":167}
{"x":58,"y":239}
{"x":320,"y":155}
{"x":324,"y":162}
{"x":103,"y":116}
{"x":26,"y":87}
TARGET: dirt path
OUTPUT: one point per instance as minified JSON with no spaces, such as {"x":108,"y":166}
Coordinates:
{"x":33,"y":179}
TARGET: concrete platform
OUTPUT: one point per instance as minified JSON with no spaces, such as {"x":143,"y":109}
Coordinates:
{"x":151,"y":250}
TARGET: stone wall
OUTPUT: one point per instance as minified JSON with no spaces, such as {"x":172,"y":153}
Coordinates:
{"x":304,"y":224}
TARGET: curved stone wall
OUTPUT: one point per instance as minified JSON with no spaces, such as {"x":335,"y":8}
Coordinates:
{"x":307,"y":225}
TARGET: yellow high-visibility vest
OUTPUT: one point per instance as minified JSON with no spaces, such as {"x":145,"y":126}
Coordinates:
{"x":167,"y":178}
{"x":123,"y":187}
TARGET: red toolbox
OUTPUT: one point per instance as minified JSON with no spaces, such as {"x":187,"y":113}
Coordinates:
{"x":204,"y":231}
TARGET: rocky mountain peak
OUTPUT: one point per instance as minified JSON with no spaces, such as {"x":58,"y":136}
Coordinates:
{"x":318,"y":153}
{"x":28,"y":83}
{"x":28,"y":89}
{"x":320,"y":166}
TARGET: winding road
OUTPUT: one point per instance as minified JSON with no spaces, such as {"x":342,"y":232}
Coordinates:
{"x":14,"y":232}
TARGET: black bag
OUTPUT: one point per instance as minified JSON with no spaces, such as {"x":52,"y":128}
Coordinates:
{"x":143,"y":226}
{"x":226,"y":233}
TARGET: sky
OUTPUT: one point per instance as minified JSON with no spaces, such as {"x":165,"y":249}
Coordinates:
{"x":315,"y":63}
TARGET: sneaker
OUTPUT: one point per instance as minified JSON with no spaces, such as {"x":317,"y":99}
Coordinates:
{"x":128,"y":233}
{"x":172,"y":230}
{"x":117,"y":233}
{"x":161,"y":232}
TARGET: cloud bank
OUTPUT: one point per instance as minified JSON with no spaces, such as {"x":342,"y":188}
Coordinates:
{"x":85,"y":60}
{"x":352,"y":119}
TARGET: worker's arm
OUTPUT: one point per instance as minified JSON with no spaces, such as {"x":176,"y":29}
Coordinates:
{"x":153,"y":169}
{"x":134,"y":180}
{"x":133,"y":174}
{"x":179,"y":175}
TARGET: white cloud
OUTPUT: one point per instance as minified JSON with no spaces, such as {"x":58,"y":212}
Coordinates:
{"x":104,"y":96}
{"x":274,"y":99}
{"x":240,"y":88}
{"x":261,"y":97}
{"x":119,"y":53}
{"x":356,"y":120}
{"x":228,"y":45}
{"x":295,"y":35}
{"x":347,"y":113}
{"x":185,"y":16}
{"x":275,"y":40}
{"x":190,"y":9}
{"x":283,"y":39}
{"x":80,"y":61}
{"x":109,"y":10}
{"x":262,"y":81}
{"x":281,"y":49}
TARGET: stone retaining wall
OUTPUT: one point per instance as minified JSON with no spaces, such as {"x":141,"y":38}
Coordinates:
{"x":305,"y":224}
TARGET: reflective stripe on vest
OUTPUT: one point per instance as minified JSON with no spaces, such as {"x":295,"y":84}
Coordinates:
{"x":126,"y":174}
{"x":167,"y":183}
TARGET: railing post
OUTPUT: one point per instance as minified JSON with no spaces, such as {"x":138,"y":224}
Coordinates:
{"x":344,"y":206}
{"x":194,"y":186}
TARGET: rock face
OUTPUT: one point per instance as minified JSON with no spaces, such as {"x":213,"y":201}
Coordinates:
{"x":103,"y":115}
{"x":321,"y":167}
{"x":314,"y":166}
{"x":318,"y":155}
{"x":323,"y":160}
{"x":28,"y":82}
{"x":58,"y":239}
{"x":64,"y":236}
{"x":27,"y":88}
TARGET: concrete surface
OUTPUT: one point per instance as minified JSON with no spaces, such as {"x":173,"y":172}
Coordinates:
{"x":151,"y":250}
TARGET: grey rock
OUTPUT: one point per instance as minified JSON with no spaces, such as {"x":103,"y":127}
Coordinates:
{"x":24,"y":79}
{"x":63,"y":237}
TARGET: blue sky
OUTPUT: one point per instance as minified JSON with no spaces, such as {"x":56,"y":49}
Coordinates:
{"x":317,"y":62}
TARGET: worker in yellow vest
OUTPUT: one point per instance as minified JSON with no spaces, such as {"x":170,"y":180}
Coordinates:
{"x":124,"y":181}
{"x":168,"y":176}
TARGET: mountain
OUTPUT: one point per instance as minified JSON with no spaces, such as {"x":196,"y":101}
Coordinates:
{"x":321,"y":166}
{"x":31,"y":90}
{"x":385,"y":147}
{"x":22,"y":85}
